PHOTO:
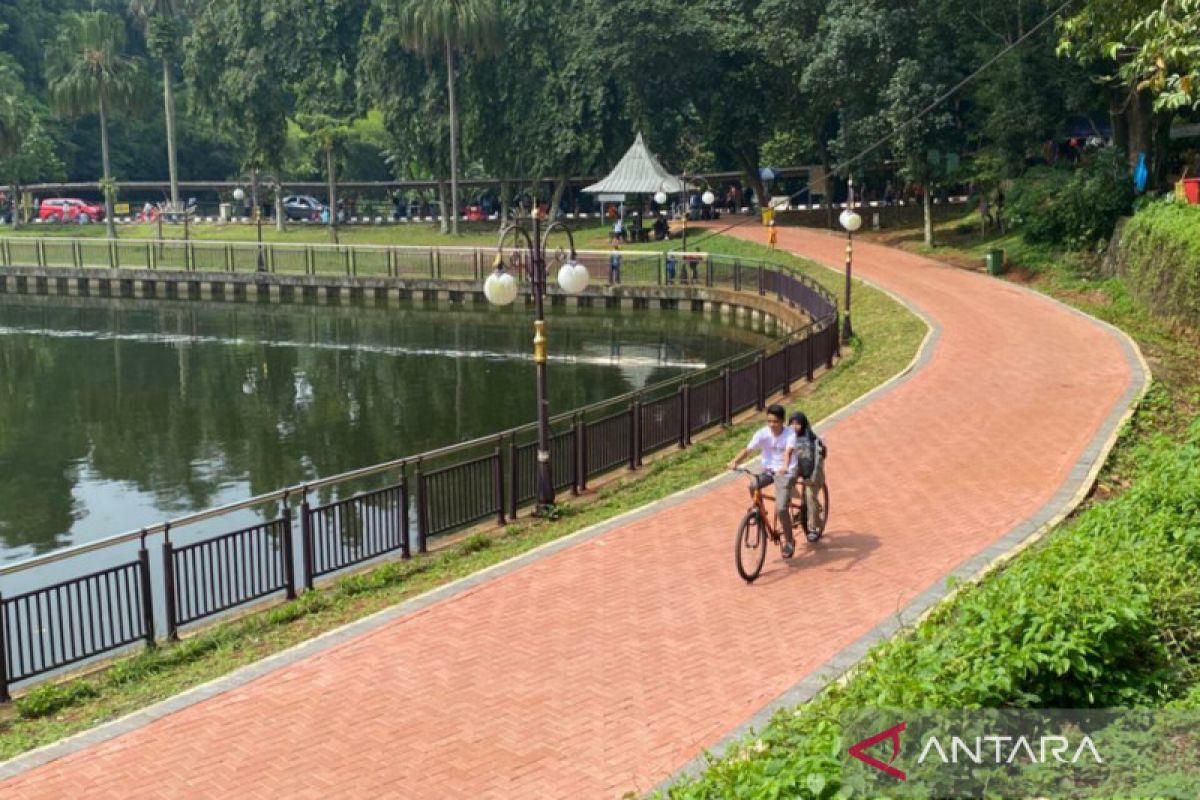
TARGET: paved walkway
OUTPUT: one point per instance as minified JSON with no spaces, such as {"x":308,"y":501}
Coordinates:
{"x":608,"y":664}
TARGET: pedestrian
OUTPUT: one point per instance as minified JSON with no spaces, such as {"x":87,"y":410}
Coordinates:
{"x":618,"y":231}
{"x":614,"y":265}
{"x":772,"y":234}
{"x":670,"y":268}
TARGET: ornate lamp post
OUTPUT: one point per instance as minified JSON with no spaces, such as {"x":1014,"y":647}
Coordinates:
{"x":708,"y":198}
{"x":851,"y":222}
{"x":501,"y":289}
{"x":239,"y":194}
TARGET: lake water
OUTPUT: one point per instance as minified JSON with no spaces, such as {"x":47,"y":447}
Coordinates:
{"x":119,"y":414}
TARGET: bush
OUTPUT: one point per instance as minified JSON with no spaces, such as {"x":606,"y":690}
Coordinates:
{"x":1072,"y":207}
{"x":1159,"y":257}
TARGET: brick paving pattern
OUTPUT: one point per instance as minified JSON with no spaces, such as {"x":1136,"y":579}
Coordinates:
{"x":605,"y":667}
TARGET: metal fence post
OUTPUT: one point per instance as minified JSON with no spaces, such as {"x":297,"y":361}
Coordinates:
{"x":189,"y":257}
{"x":761,"y":287}
{"x":685,"y":395}
{"x":7,"y":253}
{"x":149,"y":256}
{"x":432,"y":265}
{"x":4,"y":697}
{"x":760,"y":379}
{"x":581,"y":452}
{"x":514,"y":476}
{"x":498,"y":479}
{"x":406,"y":548}
{"x":147,"y":598}
{"x":168,"y":567}
{"x":289,"y":549}
{"x":422,"y":510}
{"x":478,"y":264}
{"x":831,"y":332}
{"x":658,"y":269}
{"x":40,"y":249}
{"x":575,"y":460}
{"x":737,"y":276}
{"x":709,"y":271}
{"x":77,"y":254}
{"x":787,"y":368}
{"x":351,"y":262}
{"x":310,"y":267}
{"x":306,"y":539}
{"x":635,"y":430}
{"x":809,"y":353}
{"x":727,"y":411}
{"x":437,"y":263}
{"x":229,"y":258}
{"x":391,"y":262}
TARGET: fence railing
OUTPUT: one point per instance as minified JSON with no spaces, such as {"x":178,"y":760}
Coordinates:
{"x":99,"y":611}
{"x":380,"y":261}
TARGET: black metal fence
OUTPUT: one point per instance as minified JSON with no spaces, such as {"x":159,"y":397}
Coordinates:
{"x":424,"y":496}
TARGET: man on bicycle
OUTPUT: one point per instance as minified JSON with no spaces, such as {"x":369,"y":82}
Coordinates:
{"x":775,"y":441}
{"x":807,"y":462}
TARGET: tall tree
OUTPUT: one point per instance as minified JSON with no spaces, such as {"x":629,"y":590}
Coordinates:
{"x":238,"y":63}
{"x":449,"y":27}
{"x":86,"y":71}
{"x":162,"y":21}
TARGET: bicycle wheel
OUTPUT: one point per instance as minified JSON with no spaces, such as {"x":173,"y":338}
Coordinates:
{"x":820,"y":531}
{"x":750,"y":549}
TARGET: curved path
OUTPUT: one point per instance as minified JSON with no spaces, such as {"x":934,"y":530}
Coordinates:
{"x":607,"y":662}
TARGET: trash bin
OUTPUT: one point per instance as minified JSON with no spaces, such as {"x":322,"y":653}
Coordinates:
{"x":1191,"y":190}
{"x":995,"y":262}
{"x":225,"y":209}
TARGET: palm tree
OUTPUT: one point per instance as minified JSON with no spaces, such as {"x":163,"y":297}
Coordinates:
{"x":161,"y":19}
{"x":85,"y":72}
{"x":16,"y":119}
{"x":430,"y":26}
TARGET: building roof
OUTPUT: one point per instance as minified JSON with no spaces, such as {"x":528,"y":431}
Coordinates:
{"x":638,"y":172}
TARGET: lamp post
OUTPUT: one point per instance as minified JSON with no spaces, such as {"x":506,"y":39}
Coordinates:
{"x":239,"y":194}
{"x":708,"y":198}
{"x":851,"y":222}
{"x":501,"y":289}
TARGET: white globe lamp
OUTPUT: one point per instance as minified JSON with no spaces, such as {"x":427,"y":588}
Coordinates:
{"x":850,"y":220}
{"x":500,"y":288}
{"x":708,"y":197}
{"x":573,"y":277}
{"x":239,"y":194}
{"x":660,"y":197}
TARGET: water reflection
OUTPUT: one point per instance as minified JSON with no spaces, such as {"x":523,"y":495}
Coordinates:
{"x":116,"y":414}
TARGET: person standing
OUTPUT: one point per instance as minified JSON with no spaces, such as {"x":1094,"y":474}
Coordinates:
{"x":772,"y":234}
{"x":614,"y":265}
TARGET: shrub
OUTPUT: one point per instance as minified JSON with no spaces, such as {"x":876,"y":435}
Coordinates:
{"x":1072,"y":207}
{"x":1159,"y":257}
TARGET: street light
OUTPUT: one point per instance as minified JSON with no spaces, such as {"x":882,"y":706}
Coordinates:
{"x":501,"y":289}
{"x":851,"y":222}
{"x":239,"y":194}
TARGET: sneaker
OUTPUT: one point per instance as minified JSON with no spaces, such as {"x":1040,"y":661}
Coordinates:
{"x":789,"y":548}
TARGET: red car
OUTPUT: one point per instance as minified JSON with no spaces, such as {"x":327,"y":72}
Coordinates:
{"x":69,"y":209}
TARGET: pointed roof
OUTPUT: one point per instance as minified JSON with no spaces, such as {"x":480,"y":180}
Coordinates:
{"x":638,"y":172}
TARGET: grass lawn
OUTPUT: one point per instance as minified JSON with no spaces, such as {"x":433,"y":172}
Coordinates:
{"x":888,"y":339}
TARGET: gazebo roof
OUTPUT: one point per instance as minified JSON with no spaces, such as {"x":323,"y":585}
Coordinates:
{"x":638,"y":172}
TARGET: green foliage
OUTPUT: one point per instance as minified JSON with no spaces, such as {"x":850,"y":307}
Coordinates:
{"x":1103,"y":614}
{"x":1159,"y":257}
{"x":48,"y":698}
{"x":1073,"y":207}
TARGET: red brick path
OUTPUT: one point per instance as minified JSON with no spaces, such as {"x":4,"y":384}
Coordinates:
{"x":607,"y":666}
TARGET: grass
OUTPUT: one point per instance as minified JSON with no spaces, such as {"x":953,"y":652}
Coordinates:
{"x":889,"y":337}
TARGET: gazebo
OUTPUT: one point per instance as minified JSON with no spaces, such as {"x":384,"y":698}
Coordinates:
{"x":638,"y":172}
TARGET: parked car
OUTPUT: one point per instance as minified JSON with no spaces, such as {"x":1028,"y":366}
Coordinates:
{"x":303,"y":207}
{"x":69,"y":209}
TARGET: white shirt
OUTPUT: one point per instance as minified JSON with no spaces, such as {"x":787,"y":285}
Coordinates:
{"x":772,"y":447}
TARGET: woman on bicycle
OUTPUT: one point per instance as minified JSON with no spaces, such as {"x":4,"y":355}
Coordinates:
{"x":775,"y":441}
{"x":807,"y":462}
